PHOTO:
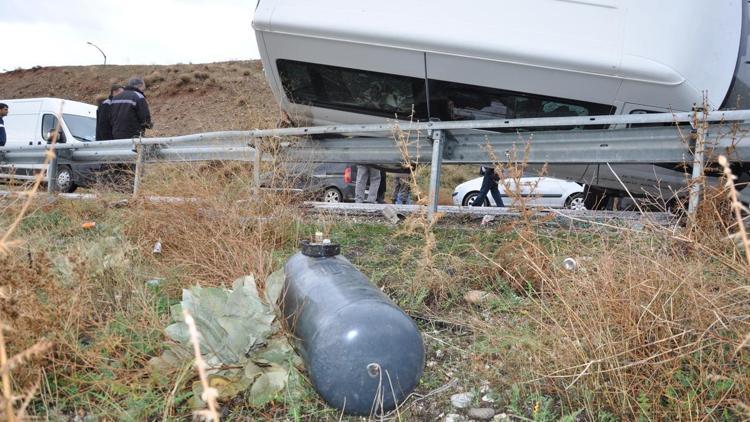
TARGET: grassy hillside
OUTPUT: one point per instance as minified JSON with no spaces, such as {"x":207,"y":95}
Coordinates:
{"x":184,"y":98}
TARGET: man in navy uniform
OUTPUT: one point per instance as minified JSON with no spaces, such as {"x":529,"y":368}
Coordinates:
{"x":129,"y":111}
{"x":3,"y":113}
{"x":103,"y":115}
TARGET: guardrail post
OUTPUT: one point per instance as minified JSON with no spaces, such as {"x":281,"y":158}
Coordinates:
{"x":140,"y":161}
{"x":256,"y":166}
{"x":437,"y":158}
{"x":701,"y":128}
{"x":52,"y":171}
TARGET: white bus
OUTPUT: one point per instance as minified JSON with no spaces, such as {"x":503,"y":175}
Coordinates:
{"x":343,"y":61}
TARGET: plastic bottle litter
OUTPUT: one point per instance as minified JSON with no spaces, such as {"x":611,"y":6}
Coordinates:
{"x":462,"y":400}
{"x":154,"y":282}
{"x":88,"y":225}
{"x":157,"y":247}
{"x":570,"y":264}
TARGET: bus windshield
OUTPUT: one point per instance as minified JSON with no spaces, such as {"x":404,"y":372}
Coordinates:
{"x":739,"y":92}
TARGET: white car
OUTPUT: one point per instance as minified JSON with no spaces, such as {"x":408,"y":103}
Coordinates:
{"x":546,"y":192}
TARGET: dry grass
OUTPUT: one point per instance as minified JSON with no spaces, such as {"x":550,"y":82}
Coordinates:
{"x":108,"y":322}
{"x":217,"y":235}
{"x":653,"y":323}
{"x":9,"y":296}
{"x":648,"y":326}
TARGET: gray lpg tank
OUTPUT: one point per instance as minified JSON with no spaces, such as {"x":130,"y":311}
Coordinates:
{"x":363,"y":354}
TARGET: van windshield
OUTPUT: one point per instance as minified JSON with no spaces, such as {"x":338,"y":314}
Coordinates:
{"x":82,"y":128}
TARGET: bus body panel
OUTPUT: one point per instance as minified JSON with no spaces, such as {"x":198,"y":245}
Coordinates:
{"x":660,"y":47}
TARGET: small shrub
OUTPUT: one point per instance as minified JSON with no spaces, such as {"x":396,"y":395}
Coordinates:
{"x":201,"y":76}
{"x":185,"y":79}
{"x":153,"y":78}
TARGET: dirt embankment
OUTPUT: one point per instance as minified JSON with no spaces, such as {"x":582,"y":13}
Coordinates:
{"x":184,"y":98}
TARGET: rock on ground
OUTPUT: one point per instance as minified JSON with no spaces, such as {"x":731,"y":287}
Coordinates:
{"x":481,"y":413}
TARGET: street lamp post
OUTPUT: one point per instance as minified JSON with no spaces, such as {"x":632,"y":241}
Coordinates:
{"x":100,"y":50}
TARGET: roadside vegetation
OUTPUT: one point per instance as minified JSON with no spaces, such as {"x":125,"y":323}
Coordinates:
{"x":649,"y":323}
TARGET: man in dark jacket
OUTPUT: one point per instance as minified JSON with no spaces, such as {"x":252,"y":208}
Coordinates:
{"x":3,"y":113}
{"x":489,"y":185}
{"x":130,"y":115}
{"x":104,"y":115}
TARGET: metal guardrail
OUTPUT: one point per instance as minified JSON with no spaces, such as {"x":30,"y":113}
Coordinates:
{"x":224,"y":137}
{"x":458,"y":142}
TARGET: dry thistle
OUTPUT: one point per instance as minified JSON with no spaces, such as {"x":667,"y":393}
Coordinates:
{"x":737,"y":206}
{"x":7,"y":365}
{"x":209,"y":393}
{"x":404,"y":141}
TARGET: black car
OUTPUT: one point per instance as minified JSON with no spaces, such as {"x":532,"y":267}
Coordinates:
{"x":327,"y":182}
{"x":333,"y":182}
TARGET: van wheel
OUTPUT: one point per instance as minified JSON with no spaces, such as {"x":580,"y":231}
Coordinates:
{"x":64,"y":180}
{"x":332,"y":195}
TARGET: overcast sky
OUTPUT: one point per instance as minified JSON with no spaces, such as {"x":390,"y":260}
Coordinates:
{"x":55,"y":32}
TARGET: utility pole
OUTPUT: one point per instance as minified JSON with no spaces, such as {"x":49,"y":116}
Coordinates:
{"x":100,"y":50}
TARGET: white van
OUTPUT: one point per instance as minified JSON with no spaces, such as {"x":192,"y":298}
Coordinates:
{"x":30,"y":122}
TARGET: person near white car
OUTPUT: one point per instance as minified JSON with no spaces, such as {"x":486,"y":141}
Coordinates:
{"x":3,"y":113}
{"x":533,"y":191}
{"x":489,"y":185}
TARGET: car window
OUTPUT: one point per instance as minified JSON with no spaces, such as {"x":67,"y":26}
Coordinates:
{"x":49,"y":122}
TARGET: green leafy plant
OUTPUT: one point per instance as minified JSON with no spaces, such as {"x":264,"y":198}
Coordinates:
{"x":238,"y":341}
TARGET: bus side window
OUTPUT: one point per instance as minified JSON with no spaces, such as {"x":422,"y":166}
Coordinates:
{"x":353,"y":90}
{"x":457,"y":101}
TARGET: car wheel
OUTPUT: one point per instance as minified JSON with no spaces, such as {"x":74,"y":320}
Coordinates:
{"x":64,"y":180}
{"x":576,"y":202}
{"x":332,"y":195}
{"x":470,"y":197}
